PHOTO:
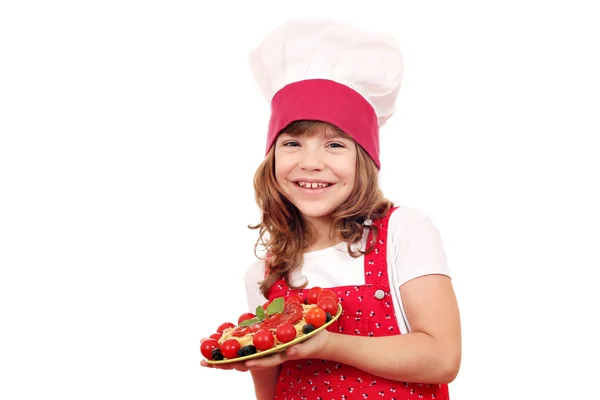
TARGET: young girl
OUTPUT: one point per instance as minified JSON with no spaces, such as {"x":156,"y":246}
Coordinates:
{"x":326,"y":223}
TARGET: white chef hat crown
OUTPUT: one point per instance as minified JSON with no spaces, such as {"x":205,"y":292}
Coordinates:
{"x":326,"y":58}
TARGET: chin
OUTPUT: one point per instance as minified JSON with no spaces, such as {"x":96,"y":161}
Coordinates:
{"x":315,"y":211}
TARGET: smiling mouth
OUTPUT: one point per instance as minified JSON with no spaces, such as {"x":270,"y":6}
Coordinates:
{"x":313,"y":185}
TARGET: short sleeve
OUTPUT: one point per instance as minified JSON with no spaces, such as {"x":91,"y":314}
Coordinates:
{"x":252,"y":278}
{"x":416,"y":246}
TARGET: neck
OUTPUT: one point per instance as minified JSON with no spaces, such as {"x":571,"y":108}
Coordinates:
{"x":321,"y":228}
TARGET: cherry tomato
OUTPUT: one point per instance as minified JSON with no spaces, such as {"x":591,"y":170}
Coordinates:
{"x":224,"y":326}
{"x":316,"y":317}
{"x":207,"y":346}
{"x":245,"y":316}
{"x":285,"y":332}
{"x":294,"y":299}
{"x":328,"y":293}
{"x":313,"y":295}
{"x":263,"y":339}
{"x":328,"y":305}
{"x":229,"y":348}
{"x":216,"y":336}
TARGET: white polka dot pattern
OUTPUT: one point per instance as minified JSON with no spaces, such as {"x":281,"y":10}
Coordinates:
{"x":367,"y":311}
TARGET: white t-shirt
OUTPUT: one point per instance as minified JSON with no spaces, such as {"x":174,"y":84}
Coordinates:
{"x":414,"y":249}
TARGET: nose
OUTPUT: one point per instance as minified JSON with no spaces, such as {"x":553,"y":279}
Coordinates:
{"x":312,"y":160}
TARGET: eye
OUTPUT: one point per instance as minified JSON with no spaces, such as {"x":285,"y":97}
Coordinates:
{"x":291,"y":143}
{"x":336,"y":145}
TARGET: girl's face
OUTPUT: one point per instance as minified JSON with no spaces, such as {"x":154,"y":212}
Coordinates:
{"x":316,"y":170}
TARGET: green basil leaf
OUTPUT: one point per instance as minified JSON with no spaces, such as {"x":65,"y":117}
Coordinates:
{"x":260,"y":313}
{"x":249,"y":322}
{"x":276,"y":306}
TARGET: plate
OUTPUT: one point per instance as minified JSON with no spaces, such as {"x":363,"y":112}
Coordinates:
{"x":280,"y":347}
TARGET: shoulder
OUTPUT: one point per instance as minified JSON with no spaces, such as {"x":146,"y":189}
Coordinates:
{"x":255,"y":272}
{"x":410,"y":227}
{"x":406,"y":218}
{"x":415,"y":245}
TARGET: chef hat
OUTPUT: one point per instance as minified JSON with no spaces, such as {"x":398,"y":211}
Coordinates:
{"x":320,"y":69}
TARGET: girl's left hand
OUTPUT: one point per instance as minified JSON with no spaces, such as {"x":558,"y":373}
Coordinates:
{"x":310,"y":348}
{"x":239,"y":366}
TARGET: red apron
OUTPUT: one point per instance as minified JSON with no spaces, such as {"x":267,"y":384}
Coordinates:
{"x":367,"y":311}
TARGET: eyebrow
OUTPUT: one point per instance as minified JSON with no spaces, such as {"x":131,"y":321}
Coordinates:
{"x":329,"y":135}
{"x":335,"y":134}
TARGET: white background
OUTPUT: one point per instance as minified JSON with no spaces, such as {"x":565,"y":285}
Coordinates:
{"x":129,"y":135}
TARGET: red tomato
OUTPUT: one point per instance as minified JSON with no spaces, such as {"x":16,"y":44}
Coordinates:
{"x":263,"y":339}
{"x":229,"y":348}
{"x":216,"y":336}
{"x":313,"y":295}
{"x":316,"y":317}
{"x":328,"y":293}
{"x":294,"y":299}
{"x":328,"y":305}
{"x":285,"y":332}
{"x":224,"y":326}
{"x":245,"y":316}
{"x":207,"y":346}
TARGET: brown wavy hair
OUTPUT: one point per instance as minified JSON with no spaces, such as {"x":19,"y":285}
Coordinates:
{"x":284,"y":233}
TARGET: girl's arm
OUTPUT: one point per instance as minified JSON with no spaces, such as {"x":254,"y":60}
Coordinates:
{"x":265,"y":381}
{"x":431,"y":353}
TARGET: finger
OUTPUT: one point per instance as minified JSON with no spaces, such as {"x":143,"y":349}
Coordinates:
{"x":203,"y":363}
{"x":266,"y":362}
{"x":238,"y":366}
{"x":223,"y":366}
{"x":299,"y":351}
{"x":292,"y":352}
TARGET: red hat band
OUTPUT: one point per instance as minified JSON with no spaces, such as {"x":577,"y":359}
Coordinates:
{"x":328,"y":101}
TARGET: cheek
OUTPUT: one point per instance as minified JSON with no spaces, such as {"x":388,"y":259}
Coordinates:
{"x":348,"y":175}
{"x":282,"y":170}
{"x":347,"y":170}
{"x":278,"y":176}
{"x":350,"y":182}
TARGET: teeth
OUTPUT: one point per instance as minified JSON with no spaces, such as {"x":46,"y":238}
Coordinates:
{"x":313,"y":185}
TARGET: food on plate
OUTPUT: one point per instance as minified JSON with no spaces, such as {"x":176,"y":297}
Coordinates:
{"x":328,"y":305}
{"x":229,"y":348}
{"x":224,"y":325}
{"x":285,"y":332}
{"x":315,"y":317}
{"x":313,"y":295}
{"x":275,"y":323}
{"x":245,"y":316}
{"x":207,"y":346}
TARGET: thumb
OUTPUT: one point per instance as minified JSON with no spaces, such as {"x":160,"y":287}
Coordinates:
{"x":300,"y":351}
{"x":295,"y":352}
